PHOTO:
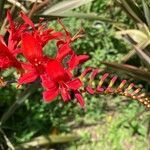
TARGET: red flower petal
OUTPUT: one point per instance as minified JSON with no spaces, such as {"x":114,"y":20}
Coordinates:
{"x":82,"y":58}
{"x":30,"y":47}
{"x":27,"y":20}
{"x":12,"y":25}
{"x":2,"y":40}
{"x":56,"y":71}
{"x":63,"y":51}
{"x":74,"y":84}
{"x":80,"y":99}
{"x":16,"y":51}
{"x":73,"y":62}
{"x":64,"y":93}
{"x":28,"y":77}
{"x":50,"y":95}
{"x":76,"y":60}
{"x":55,"y":35}
{"x":4,"y":49}
{"x":47,"y":83}
{"x":4,"y":62}
{"x":7,"y":58}
{"x":27,"y":66}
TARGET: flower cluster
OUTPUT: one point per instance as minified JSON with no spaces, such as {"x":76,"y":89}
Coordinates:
{"x":56,"y":73}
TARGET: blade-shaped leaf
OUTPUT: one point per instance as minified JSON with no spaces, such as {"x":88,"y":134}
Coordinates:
{"x":132,"y":9}
{"x":89,"y":16}
{"x":132,"y":70}
{"x":137,"y":35}
{"x":143,"y":56}
{"x":44,"y":140}
{"x":146,"y":12}
{"x":144,"y":28}
{"x":135,"y":8}
{"x":64,"y":6}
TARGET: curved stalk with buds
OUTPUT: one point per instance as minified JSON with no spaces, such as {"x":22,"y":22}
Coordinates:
{"x":107,"y":86}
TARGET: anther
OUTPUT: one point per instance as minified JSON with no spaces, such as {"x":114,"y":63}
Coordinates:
{"x":148,"y":105}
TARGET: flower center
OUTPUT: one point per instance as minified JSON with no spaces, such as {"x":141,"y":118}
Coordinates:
{"x":39,"y":64}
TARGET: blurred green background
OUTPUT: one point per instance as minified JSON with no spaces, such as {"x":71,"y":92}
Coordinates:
{"x":107,"y":122}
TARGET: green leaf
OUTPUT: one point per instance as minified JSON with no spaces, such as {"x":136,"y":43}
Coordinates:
{"x":146,"y":12}
{"x":144,"y":28}
{"x":136,"y":9}
{"x":132,"y":70}
{"x":48,"y":140}
{"x":90,"y":16}
{"x":132,"y":9}
{"x":143,"y":55}
{"x":64,"y":6}
{"x":138,"y":36}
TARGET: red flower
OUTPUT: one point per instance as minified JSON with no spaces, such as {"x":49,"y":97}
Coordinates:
{"x":9,"y":52}
{"x":42,"y":34}
{"x":7,"y":58}
{"x":32,"y":51}
{"x":56,"y":73}
{"x":59,"y":79}
{"x":15,"y":32}
{"x":55,"y":77}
